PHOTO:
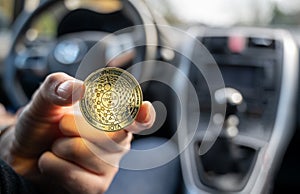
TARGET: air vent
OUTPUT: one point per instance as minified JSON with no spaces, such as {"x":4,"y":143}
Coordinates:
{"x":216,"y":45}
{"x":261,"y":43}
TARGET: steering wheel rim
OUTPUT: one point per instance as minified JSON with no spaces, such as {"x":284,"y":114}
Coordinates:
{"x":136,"y":10}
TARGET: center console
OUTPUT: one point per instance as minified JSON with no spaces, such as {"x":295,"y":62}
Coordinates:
{"x":259,"y":68}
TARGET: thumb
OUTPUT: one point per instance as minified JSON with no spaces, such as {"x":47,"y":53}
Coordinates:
{"x":58,"y":90}
{"x":37,"y":125}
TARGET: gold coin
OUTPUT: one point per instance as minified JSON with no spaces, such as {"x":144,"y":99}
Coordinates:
{"x":112,"y":99}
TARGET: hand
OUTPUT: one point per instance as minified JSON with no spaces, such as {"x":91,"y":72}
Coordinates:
{"x":54,"y":147}
{"x":6,"y":118}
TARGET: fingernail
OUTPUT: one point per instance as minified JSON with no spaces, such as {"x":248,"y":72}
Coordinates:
{"x":70,"y":87}
{"x":144,"y":114}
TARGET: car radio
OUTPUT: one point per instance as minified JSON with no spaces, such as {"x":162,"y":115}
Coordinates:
{"x":259,"y":68}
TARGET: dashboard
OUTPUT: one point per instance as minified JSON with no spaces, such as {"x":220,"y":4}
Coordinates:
{"x":259,"y":69}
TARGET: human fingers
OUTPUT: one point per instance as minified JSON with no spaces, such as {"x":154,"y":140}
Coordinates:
{"x":73,"y":124}
{"x":37,"y":123}
{"x":88,"y":155}
{"x":58,"y":90}
{"x":144,"y":120}
{"x":74,"y":178}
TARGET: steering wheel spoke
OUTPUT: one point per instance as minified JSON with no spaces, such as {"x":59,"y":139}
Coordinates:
{"x":33,"y":59}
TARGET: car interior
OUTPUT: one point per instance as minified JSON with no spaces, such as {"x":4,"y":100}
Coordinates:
{"x":226,"y":97}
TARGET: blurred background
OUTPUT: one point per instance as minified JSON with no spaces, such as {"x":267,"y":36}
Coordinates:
{"x":182,"y":14}
{"x":230,"y":12}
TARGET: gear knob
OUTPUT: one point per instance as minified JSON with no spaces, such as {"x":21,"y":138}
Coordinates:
{"x":233,"y":98}
{"x":229,"y":95}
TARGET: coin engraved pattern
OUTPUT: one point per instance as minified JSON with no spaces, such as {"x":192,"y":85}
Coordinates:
{"x":112,"y":99}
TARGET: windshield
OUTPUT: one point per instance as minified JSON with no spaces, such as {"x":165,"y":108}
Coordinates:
{"x":6,"y":19}
{"x":6,"y":13}
{"x":230,"y":12}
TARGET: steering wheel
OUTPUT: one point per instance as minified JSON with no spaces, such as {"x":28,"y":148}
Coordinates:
{"x":30,"y":61}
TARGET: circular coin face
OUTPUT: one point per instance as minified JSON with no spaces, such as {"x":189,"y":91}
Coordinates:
{"x":112,"y":99}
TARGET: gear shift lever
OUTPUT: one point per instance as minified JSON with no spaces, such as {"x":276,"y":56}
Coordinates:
{"x":233,"y":98}
{"x":235,"y":159}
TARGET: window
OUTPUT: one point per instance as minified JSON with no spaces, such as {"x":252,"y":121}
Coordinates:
{"x":6,"y":13}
